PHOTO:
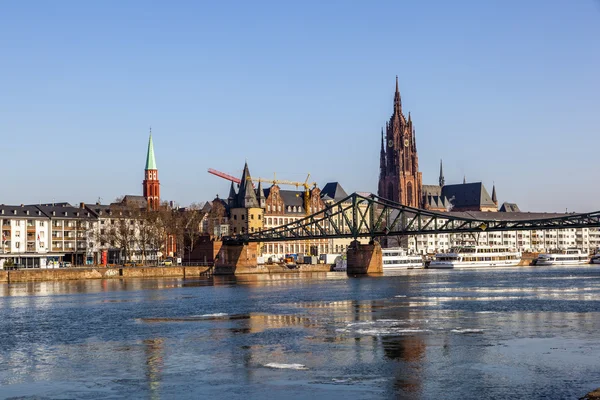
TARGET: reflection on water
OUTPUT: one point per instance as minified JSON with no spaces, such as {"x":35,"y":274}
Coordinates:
{"x":516,"y":333}
{"x":154,"y":364}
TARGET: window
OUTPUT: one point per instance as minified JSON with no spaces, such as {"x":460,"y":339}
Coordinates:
{"x":235,"y":217}
{"x":243,"y":217}
{"x":17,"y":223}
{"x":243,"y":230}
{"x":251,"y":216}
{"x":269,"y":208}
{"x":17,"y":245}
{"x":42,"y":234}
{"x":259,"y":217}
{"x":41,"y":223}
{"x":42,"y":244}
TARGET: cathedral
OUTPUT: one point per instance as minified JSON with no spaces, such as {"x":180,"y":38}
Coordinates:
{"x":399,"y":177}
{"x":400,"y":180}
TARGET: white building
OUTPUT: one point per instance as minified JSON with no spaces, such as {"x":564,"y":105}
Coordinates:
{"x":587,"y":239}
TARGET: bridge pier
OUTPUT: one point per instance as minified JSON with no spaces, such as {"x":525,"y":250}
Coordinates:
{"x":234,"y":259}
{"x":364,"y":258}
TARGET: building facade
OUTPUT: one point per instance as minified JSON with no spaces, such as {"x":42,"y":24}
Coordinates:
{"x":399,"y":177}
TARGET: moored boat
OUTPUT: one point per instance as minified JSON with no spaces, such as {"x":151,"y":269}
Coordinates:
{"x":395,"y":259}
{"x":476,"y":256}
{"x":565,"y":257}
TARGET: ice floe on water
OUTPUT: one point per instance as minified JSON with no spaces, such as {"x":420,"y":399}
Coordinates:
{"x":286,"y":366}
{"x":466,"y":330}
{"x":384,"y":327}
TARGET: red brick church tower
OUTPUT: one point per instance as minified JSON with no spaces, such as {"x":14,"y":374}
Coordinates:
{"x":399,"y":176}
{"x":151,"y":184}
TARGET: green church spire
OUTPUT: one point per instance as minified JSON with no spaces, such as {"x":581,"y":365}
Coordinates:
{"x":150,"y":160}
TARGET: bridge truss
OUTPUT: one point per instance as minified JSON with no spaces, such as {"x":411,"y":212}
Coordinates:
{"x":359,"y":216}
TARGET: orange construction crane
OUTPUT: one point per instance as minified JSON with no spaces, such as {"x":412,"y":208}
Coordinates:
{"x":306,"y":185}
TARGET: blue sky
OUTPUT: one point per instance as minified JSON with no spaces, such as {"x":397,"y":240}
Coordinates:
{"x":503,"y":91}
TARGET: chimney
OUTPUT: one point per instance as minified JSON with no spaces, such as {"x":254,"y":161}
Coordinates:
{"x":82,"y":205}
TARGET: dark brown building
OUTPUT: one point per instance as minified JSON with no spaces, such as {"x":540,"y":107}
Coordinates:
{"x":399,"y":176}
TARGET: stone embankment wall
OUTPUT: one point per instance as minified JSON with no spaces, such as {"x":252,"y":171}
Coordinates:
{"x":38,"y":275}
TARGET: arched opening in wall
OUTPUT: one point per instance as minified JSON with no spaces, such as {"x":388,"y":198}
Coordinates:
{"x":390,"y":191}
{"x":409,"y":194}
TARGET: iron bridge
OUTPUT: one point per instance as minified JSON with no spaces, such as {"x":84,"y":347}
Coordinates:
{"x":359,"y":216}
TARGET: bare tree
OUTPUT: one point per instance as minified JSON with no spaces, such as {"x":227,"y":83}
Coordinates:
{"x":121,"y":231}
{"x":191,"y":220}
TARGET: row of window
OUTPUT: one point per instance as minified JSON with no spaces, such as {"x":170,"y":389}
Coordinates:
{"x":297,"y":248}
{"x":244,"y":217}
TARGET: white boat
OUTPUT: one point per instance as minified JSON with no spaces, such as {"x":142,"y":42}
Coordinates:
{"x":395,"y":259}
{"x":565,"y":257}
{"x":476,"y":256}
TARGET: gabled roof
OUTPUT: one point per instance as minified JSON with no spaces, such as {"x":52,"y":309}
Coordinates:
{"x":290,"y":198}
{"x":246,"y":195}
{"x":509,"y":207}
{"x":65,"y":212}
{"x":436,"y":202}
{"x":433,"y":190}
{"x":133,"y":200}
{"x":333,"y":191}
{"x":468,"y":195}
{"x":8,"y":212}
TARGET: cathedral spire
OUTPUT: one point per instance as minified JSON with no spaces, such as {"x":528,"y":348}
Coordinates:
{"x":464,"y":179}
{"x":397,"y":99}
{"x":494,"y":197}
{"x":442,"y":181}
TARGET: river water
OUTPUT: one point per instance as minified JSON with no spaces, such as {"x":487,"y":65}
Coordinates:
{"x":515,"y":333}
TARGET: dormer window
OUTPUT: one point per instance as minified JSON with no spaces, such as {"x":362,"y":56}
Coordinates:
{"x":53,"y":213}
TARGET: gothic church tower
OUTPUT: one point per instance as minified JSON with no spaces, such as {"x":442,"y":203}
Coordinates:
{"x":399,"y":177}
